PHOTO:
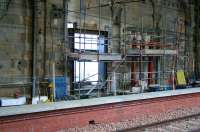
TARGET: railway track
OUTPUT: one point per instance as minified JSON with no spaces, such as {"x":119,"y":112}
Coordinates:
{"x":184,"y":124}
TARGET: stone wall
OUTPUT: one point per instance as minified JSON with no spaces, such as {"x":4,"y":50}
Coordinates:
{"x":16,"y":35}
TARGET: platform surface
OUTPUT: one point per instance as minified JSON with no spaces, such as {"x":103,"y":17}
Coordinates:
{"x":25,"y":109}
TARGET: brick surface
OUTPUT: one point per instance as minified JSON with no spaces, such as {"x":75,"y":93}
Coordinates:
{"x":80,"y":117}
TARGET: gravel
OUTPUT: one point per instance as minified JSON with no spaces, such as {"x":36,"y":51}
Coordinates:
{"x":144,"y":120}
{"x":185,"y":125}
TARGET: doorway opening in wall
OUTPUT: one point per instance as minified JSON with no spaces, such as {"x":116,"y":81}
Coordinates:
{"x":87,"y":74}
{"x":86,"y":71}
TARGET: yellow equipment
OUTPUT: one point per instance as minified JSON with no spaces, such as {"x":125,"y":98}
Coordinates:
{"x":180,"y":77}
{"x":50,"y":86}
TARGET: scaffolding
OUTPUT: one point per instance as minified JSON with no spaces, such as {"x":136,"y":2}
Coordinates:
{"x":148,"y":56}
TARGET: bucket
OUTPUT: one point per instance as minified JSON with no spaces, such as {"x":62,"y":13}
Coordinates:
{"x":136,"y":90}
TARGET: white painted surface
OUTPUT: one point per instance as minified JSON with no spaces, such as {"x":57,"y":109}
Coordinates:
{"x":12,"y":101}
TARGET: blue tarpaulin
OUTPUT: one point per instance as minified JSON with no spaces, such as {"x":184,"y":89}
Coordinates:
{"x":61,"y":86}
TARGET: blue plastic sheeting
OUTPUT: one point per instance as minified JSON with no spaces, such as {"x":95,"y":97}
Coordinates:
{"x":159,"y":88}
{"x":167,"y":87}
{"x":154,"y":88}
{"x":102,"y":66}
{"x":61,"y":87}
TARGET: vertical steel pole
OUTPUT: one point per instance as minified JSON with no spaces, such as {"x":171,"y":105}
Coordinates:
{"x":34,"y":46}
{"x":66,"y":42}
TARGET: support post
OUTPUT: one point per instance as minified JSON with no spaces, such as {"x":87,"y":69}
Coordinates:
{"x":116,"y":11}
{"x":34,"y":47}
